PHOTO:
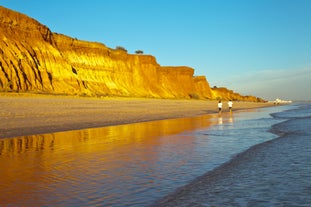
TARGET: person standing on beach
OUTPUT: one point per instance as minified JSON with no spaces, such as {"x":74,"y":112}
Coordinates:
{"x":230,"y":105}
{"x":219,"y":106}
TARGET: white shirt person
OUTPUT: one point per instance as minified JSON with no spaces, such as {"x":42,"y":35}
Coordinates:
{"x":219,"y":106}
{"x":230,"y":103}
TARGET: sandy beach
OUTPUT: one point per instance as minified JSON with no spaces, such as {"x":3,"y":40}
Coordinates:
{"x":24,"y":114}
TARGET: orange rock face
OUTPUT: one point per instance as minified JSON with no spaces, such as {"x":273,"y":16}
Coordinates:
{"x":33,"y":59}
{"x":226,"y":94}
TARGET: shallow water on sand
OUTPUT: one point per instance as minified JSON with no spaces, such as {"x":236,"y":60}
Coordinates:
{"x":126,"y":165}
{"x":274,"y":173}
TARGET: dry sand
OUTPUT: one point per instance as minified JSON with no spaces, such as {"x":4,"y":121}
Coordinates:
{"x":22,"y":114}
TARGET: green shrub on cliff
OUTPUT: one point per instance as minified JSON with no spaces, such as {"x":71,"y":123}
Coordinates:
{"x":139,"y":52}
{"x":121,"y":48}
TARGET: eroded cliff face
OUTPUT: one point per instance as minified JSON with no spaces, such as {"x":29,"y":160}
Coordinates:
{"x":226,"y":94}
{"x":33,"y":59}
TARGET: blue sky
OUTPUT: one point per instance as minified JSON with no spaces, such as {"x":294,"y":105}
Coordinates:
{"x":257,"y":47}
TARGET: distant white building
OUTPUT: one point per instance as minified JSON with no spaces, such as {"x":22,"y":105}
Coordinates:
{"x":280,"y":101}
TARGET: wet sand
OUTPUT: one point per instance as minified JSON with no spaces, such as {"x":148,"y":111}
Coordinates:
{"x":24,"y":114}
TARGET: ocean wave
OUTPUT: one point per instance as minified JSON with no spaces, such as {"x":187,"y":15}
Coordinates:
{"x":272,"y":173}
{"x":297,"y":121}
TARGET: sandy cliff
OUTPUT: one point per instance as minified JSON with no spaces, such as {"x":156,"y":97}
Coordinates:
{"x":34,"y":59}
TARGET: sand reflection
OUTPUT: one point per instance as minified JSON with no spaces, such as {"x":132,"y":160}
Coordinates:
{"x":118,"y":135}
{"x":63,"y":167}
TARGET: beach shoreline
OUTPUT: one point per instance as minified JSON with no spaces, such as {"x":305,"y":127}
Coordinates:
{"x":273,"y":173}
{"x":29,"y":114}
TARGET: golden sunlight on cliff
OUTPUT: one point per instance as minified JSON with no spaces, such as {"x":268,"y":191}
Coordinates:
{"x":33,"y":59}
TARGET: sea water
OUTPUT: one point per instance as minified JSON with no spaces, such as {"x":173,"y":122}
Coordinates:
{"x":227,"y":158}
{"x":273,"y":173}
